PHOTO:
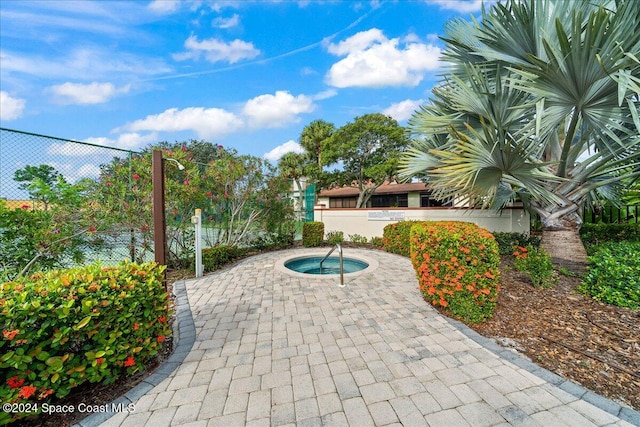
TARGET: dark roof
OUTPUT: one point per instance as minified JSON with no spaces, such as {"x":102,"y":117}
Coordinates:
{"x":392,"y":188}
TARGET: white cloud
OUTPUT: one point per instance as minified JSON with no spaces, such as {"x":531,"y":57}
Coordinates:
{"x":88,"y":171}
{"x":92,"y":93}
{"x":10,"y":108}
{"x":270,"y":111}
{"x":462,"y":6}
{"x":211,"y":123}
{"x":373,"y":60}
{"x":125,"y":141}
{"x":80,"y":64}
{"x":325,"y":94}
{"x":225,"y":23}
{"x":215,"y":50}
{"x":164,"y":6}
{"x":281,"y":150}
{"x":401,"y":111}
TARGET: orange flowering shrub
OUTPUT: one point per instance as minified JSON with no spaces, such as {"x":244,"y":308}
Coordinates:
{"x":396,"y":237}
{"x":63,"y":328}
{"x":457,"y":266}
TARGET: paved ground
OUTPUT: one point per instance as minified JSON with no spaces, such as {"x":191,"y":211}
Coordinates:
{"x":266,"y":348}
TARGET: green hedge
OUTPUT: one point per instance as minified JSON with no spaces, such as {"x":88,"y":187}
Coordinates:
{"x":396,"y":237}
{"x":217,"y":256}
{"x":613,"y":275}
{"x":63,"y":328}
{"x":457,"y":266}
{"x":312,"y":234}
{"x":596,"y":234}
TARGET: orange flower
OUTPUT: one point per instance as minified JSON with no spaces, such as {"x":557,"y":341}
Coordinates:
{"x":136,"y":326}
{"x":489,"y":275}
{"x":130,"y":361}
{"x":161,"y":338}
{"x":27,"y":391}
{"x":10,"y":335}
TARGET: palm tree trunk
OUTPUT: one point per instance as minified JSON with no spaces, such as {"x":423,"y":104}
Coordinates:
{"x":566,"y":249}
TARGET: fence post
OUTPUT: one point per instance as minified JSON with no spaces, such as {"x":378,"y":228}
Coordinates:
{"x":197,"y":222}
{"x":159,"y":231}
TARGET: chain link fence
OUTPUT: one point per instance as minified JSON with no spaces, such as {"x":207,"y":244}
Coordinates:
{"x":61,"y":204}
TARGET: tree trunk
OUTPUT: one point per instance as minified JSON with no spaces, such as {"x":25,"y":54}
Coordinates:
{"x":566,"y":249}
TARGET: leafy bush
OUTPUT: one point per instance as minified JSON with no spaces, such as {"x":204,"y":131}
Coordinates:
{"x":457,"y":266}
{"x":312,"y":234}
{"x":335,"y":237}
{"x":356,"y":238}
{"x":217,"y":256}
{"x":536,"y":263}
{"x":596,"y":234}
{"x":63,"y":328}
{"x":377,"y":242}
{"x":396,"y":237}
{"x":506,"y":241}
{"x":613,"y":275}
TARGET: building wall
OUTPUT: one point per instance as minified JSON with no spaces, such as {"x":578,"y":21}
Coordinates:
{"x":371,"y":222}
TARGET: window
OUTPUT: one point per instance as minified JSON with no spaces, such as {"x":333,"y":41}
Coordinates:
{"x":426,"y":201}
{"x":343,"y":202}
{"x":390,"y":201}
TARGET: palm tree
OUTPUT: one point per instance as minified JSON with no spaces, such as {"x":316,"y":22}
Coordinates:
{"x":540,"y":104}
{"x":291,"y":166}
{"x":312,"y":139}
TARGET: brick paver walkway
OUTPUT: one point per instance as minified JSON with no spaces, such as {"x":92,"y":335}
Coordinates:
{"x":271,"y":348}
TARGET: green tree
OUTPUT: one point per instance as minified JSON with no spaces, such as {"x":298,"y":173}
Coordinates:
{"x":369,"y":149}
{"x":313,"y":139}
{"x":38,"y":181}
{"x":540,"y":104}
{"x":291,"y":166}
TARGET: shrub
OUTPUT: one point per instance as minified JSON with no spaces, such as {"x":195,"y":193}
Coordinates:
{"x":312,"y":234}
{"x":596,"y":234}
{"x":506,"y":241}
{"x":335,"y":237}
{"x":457,"y":266}
{"x":396,"y":237}
{"x":376,"y":242}
{"x":356,"y":238}
{"x":63,"y":328}
{"x":536,"y":263}
{"x":613,"y":275}
{"x":217,"y":256}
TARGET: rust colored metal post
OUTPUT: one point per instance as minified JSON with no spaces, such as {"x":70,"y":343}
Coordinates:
{"x":159,"y":230}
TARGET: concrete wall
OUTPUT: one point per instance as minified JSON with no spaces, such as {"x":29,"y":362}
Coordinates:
{"x":371,"y":222}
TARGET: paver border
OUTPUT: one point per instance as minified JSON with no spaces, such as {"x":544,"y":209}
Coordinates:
{"x":623,"y":412}
{"x":184,"y":336}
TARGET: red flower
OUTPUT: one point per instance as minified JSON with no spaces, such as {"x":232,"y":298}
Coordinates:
{"x":136,"y":326}
{"x":209,"y":194}
{"x":99,"y":360}
{"x":27,"y":391}
{"x":92,"y":229}
{"x":130,"y":361}
{"x":186,"y":182}
{"x":24,"y":207}
{"x":15,"y":382}
{"x":136,"y":176}
{"x":161,"y":338}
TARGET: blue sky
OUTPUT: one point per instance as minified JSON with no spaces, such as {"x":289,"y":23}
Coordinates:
{"x":244,"y":74}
